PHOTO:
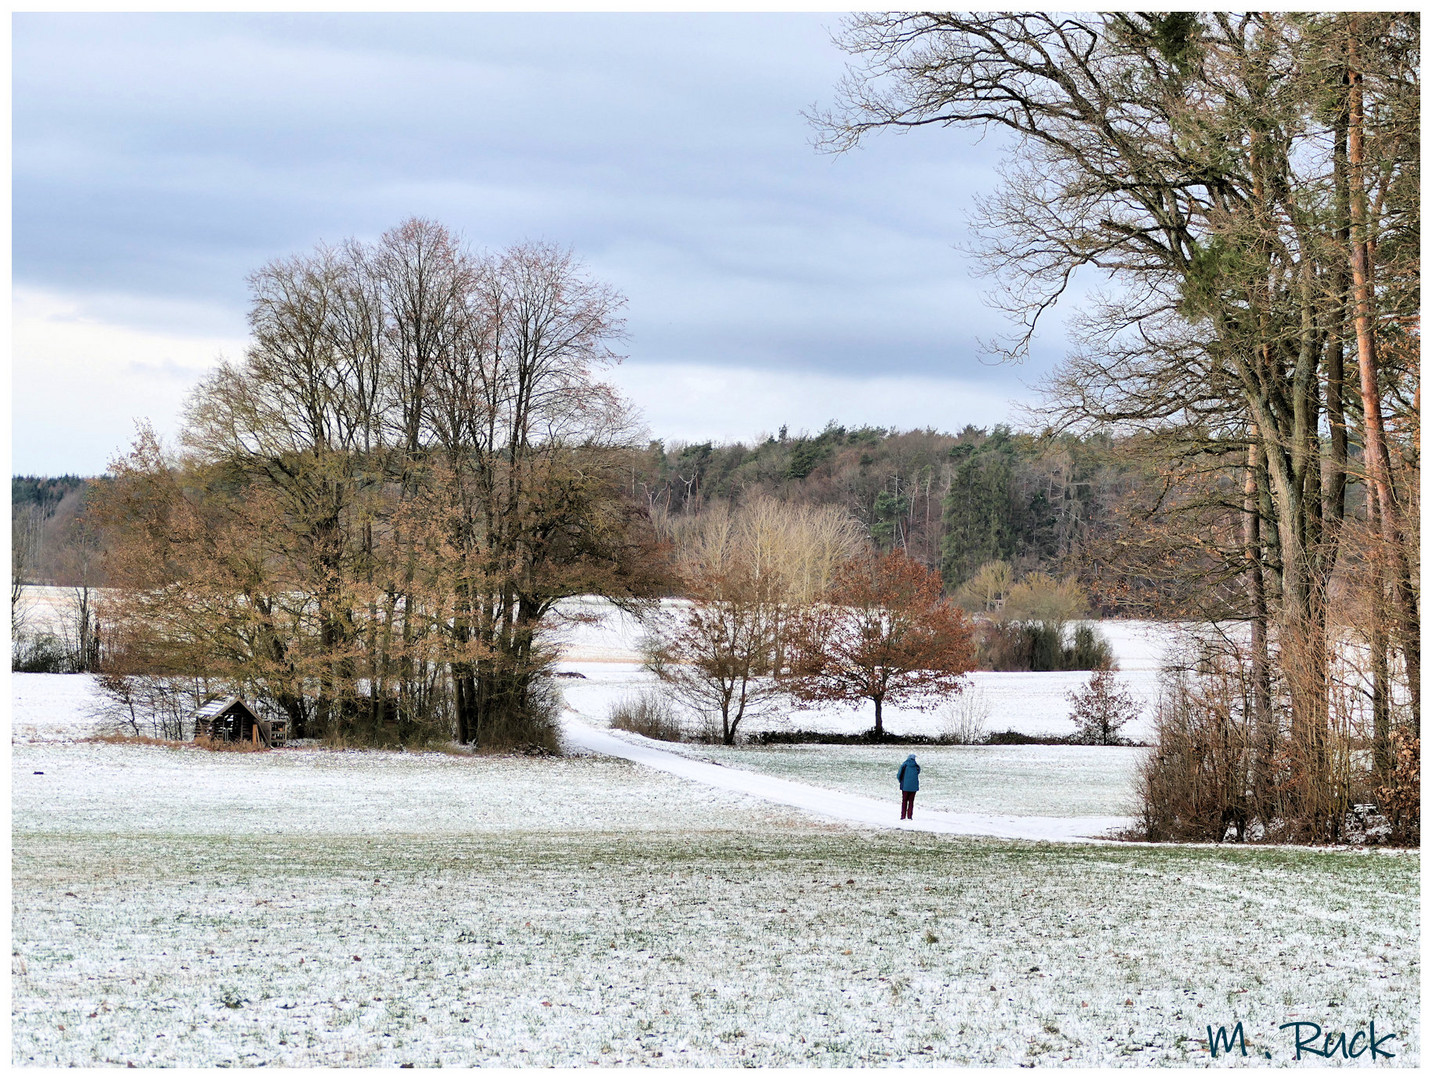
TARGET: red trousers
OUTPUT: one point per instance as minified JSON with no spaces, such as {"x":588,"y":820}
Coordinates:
{"x":907,"y":804}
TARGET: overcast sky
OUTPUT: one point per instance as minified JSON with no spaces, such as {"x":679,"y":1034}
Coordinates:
{"x":158,"y":159}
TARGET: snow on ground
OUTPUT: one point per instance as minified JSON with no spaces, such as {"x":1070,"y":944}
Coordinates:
{"x":1031,"y":702}
{"x":49,"y":609}
{"x":834,"y":804}
{"x":1033,"y":792}
{"x":1050,"y":792}
{"x":49,"y":708}
{"x":605,"y":647}
{"x":710,"y":906}
{"x":1050,"y":781}
{"x":595,"y":632}
{"x":320,"y":908}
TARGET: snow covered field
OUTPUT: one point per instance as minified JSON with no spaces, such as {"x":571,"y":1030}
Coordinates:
{"x":317,"y":908}
{"x":606,"y":650}
{"x":175,"y":907}
{"x":1055,"y":781}
{"x":605,"y":644}
{"x":832,"y":800}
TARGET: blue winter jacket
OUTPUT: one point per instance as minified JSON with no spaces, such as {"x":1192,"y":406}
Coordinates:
{"x":909,"y":774}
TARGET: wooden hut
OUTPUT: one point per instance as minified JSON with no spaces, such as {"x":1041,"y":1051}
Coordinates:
{"x":229,"y":719}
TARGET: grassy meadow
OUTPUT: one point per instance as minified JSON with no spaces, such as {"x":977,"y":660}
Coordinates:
{"x":313,"y":908}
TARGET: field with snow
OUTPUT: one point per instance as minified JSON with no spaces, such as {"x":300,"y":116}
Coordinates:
{"x":606,"y":650}
{"x":605,"y":645}
{"x":709,"y":906}
{"x":1057,"y":781}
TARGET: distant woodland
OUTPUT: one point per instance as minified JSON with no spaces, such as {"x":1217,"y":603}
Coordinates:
{"x":47,"y":526}
{"x":952,"y":502}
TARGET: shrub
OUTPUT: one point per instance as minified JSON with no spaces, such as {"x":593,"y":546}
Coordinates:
{"x":1018,"y":738}
{"x":964,"y":716}
{"x":1197,"y":784}
{"x":649,"y":714}
{"x":1039,"y":646}
{"x":1231,"y":760}
{"x":1001,"y":646}
{"x":1045,"y":653}
{"x":41,"y":653}
{"x":1101,"y":709}
{"x":868,"y":737}
{"x":1401,"y":796}
{"x":543,"y":714}
{"x":1090,"y":650}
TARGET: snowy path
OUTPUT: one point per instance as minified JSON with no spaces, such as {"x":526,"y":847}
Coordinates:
{"x":855,"y":809}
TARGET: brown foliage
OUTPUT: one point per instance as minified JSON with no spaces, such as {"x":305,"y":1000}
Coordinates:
{"x":718,"y":655}
{"x":1197,"y":782}
{"x":116,"y":738}
{"x":226,"y":746}
{"x":1401,"y":797}
{"x":886,"y":635}
{"x":380,"y":505}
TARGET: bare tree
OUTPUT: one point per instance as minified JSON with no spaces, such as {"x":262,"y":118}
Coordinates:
{"x":25,"y":530}
{"x":380,"y":505}
{"x":1207,"y":164}
{"x":717,"y":654}
{"x":78,"y":565}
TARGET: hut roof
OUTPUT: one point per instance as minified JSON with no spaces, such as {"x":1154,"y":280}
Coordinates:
{"x":218,"y":706}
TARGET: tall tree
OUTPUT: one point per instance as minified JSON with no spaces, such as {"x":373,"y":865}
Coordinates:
{"x":380,"y":506}
{"x":1192,"y":159}
{"x":979,"y":507}
{"x":1366,"y":37}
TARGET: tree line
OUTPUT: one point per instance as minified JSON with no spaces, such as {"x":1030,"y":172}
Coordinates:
{"x":1091,"y":507}
{"x":1043,"y":502}
{"x":372,"y":515}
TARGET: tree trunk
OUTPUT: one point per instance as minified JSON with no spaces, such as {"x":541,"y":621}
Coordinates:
{"x":1264,"y":721}
{"x":1374,"y":439}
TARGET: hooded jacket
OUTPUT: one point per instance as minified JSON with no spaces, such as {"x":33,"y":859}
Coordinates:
{"x":909,"y":774}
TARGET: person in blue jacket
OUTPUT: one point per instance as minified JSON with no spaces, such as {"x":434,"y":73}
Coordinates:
{"x":909,"y":777}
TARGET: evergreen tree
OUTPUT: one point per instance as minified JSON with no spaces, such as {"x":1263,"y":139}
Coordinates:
{"x":979,"y":508}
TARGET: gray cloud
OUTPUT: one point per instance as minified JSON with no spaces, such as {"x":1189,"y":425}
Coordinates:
{"x":158,"y":159}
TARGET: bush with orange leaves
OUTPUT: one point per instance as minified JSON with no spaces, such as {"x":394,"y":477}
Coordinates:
{"x":1401,"y":796}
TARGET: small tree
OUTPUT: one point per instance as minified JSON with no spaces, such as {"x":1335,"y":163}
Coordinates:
{"x":718,"y":656}
{"x":989,"y":587}
{"x":1101,"y":708}
{"x":886,"y":635}
{"x":1043,"y":599}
